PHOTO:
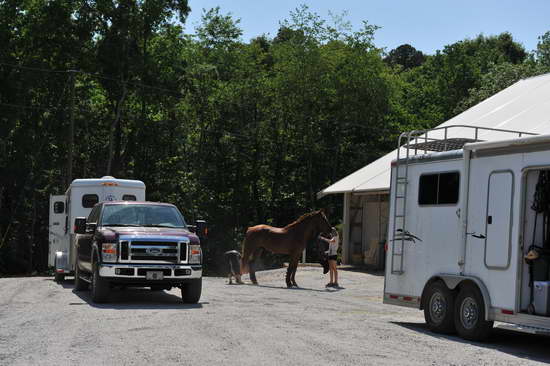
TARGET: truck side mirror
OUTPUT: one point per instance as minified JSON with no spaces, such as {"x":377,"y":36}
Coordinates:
{"x":201,"y":229}
{"x":80,"y":225}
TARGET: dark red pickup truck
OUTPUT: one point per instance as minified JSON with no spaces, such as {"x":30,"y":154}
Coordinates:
{"x":130,"y":243}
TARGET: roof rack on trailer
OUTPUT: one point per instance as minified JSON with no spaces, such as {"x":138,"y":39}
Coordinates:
{"x":442,"y":139}
{"x":437,"y":139}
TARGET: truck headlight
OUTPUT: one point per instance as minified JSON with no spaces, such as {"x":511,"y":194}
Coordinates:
{"x":195,"y":254}
{"x":109,"y":252}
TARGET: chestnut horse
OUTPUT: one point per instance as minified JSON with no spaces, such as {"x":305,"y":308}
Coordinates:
{"x":291,"y":240}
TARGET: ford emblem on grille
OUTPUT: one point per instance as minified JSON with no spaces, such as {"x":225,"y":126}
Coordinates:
{"x":153,"y":251}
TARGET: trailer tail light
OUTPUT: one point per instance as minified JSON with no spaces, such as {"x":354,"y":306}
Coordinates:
{"x":507,"y":312}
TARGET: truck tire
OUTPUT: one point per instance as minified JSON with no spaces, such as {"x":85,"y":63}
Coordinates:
{"x":79,"y":283}
{"x":191,"y":291}
{"x":100,"y":287}
{"x":439,"y":307}
{"x":59,"y":277}
{"x":470,"y":320}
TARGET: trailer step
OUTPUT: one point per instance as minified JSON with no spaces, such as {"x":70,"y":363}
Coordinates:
{"x":524,"y":328}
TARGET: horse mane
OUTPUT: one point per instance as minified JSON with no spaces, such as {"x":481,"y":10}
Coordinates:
{"x":302,"y":218}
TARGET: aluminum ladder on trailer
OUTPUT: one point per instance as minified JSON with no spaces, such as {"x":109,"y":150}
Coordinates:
{"x":419,"y":140}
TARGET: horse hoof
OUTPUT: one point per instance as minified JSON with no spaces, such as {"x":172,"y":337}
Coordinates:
{"x":255,"y":283}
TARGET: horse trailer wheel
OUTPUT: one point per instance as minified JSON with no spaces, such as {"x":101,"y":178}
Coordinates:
{"x":439,"y":308}
{"x":59,"y":277}
{"x":470,"y":320}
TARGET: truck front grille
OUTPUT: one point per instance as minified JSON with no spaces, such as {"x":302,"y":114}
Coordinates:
{"x":145,"y":251}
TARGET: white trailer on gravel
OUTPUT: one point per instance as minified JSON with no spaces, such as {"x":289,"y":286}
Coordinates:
{"x":78,"y":201}
{"x":469,"y":231}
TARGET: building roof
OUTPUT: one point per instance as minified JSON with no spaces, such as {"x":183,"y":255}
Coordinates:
{"x":524,"y":106}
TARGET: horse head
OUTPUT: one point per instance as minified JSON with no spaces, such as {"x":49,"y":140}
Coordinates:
{"x":323,"y":226}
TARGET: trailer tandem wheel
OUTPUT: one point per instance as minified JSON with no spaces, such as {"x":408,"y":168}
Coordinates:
{"x":439,"y":303}
{"x":469,"y":312}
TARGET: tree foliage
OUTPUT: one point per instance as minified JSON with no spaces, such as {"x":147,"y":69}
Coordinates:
{"x":235,"y":132}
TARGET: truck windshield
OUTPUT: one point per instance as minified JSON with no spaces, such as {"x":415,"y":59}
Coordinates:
{"x":142,"y":215}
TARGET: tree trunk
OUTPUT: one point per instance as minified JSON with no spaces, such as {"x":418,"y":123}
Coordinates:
{"x":114,"y":127}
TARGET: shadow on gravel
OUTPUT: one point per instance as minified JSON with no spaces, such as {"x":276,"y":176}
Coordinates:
{"x":293,"y":288}
{"x":65,"y":283}
{"x":137,"y":298}
{"x":131,"y":298}
{"x":526,"y":346}
{"x":361,"y":269}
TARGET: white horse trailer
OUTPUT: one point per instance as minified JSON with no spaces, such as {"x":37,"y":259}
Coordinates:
{"x":78,"y":201}
{"x":469,"y":231}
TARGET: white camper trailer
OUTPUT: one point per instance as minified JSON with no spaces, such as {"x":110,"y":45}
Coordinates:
{"x":78,"y":201}
{"x":469,"y":231}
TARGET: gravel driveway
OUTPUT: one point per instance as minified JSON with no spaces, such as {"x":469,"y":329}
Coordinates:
{"x":42,"y":322}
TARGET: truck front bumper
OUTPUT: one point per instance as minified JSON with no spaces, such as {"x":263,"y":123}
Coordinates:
{"x":139,"y":271}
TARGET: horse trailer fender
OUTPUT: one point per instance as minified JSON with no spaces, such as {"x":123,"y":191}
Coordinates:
{"x":62,"y":262}
{"x":452,"y":281}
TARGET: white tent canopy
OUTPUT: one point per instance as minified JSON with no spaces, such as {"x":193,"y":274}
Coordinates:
{"x":524,"y":106}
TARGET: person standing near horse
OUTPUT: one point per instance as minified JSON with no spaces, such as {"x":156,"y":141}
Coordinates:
{"x":332,"y":256}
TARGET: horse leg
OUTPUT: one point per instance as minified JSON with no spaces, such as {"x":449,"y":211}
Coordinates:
{"x":252,"y":272}
{"x":289,"y":275}
{"x":294,"y":269}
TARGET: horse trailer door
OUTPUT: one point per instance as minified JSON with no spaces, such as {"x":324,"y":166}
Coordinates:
{"x":57,"y":236}
{"x":500,"y":198}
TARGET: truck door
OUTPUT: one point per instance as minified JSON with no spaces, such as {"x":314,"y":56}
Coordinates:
{"x":58,"y":225}
{"x":500,"y":197}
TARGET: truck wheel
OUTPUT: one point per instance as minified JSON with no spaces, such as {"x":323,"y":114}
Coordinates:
{"x":79,"y":283}
{"x":100,"y":287}
{"x":59,"y":277}
{"x":191,"y":291}
{"x":439,"y":308}
{"x":470,"y":320}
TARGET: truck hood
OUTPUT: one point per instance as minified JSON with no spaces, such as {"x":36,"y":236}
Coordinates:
{"x":149,"y":231}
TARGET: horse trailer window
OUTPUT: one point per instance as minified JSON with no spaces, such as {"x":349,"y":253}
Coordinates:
{"x":59,"y":207}
{"x":439,"y":189}
{"x":129,"y":197}
{"x":89,"y":200}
